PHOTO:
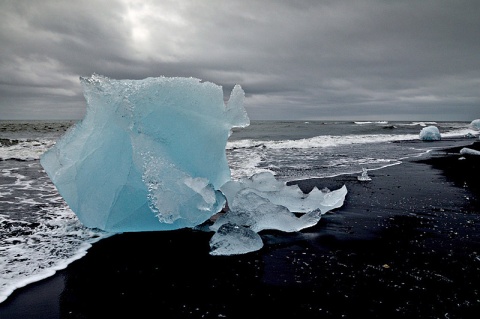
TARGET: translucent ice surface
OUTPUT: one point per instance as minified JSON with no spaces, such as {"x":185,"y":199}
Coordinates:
{"x":430,"y":133}
{"x":232,"y":239}
{"x":149,"y":154}
{"x":261,"y":203}
{"x":265,"y":185}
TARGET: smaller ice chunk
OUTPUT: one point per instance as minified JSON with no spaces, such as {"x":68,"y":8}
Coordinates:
{"x":258,"y":213}
{"x":292,"y":197}
{"x":364,"y":177}
{"x":430,"y":133}
{"x":469,"y":135}
{"x":232,"y":239}
{"x":261,"y":202}
{"x":469,"y":151}
{"x":475,"y":124}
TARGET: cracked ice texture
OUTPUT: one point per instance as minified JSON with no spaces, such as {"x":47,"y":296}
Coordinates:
{"x":149,"y":154}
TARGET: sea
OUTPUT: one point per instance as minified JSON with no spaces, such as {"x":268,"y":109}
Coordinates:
{"x":40,"y":235}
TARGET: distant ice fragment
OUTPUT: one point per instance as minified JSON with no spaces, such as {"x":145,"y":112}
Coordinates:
{"x":364,"y":177}
{"x":430,"y":133}
{"x":469,"y":151}
{"x":469,"y":135}
{"x":149,"y":154}
{"x":475,"y":124}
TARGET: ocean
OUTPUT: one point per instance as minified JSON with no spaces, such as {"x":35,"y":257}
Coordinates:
{"x":39,"y":234}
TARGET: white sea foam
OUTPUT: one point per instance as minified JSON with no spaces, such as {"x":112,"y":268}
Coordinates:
{"x":417,"y":124}
{"x":321,"y":141}
{"x":350,"y":161}
{"x":39,"y":234}
{"x":337,"y":140}
{"x":24,"y":150}
{"x":369,"y":122}
{"x":461,"y":132}
{"x":245,"y":164}
{"x":30,"y":251}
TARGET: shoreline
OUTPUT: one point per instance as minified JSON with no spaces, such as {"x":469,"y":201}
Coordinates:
{"x":404,"y":245}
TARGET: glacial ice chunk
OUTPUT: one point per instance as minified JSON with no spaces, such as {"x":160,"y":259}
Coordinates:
{"x":469,"y":151}
{"x":149,"y":154}
{"x":475,"y":124}
{"x":263,"y":203}
{"x":257,"y":213}
{"x":430,"y":133}
{"x":364,"y":176}
{"x":267,"y":186}
{"x":232,"y":239}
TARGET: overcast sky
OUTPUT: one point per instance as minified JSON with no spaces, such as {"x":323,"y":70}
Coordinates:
{"x":308,"y":60}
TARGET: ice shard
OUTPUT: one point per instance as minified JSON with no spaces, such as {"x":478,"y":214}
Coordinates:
{"x":148,"y":155}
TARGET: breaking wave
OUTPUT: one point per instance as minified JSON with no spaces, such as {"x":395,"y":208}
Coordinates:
{"x":23,"y":150}
{"x":324,"y":141}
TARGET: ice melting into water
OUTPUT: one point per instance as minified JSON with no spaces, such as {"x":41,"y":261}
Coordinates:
{"x":430,"y":133}
{"x":150,"y":155}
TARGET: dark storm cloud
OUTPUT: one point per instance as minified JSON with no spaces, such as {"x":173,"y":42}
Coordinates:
{"x":370,"y":59}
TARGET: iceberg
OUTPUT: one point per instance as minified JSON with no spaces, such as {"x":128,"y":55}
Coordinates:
{"x":148,"y":155}
{"x":430,"y":133}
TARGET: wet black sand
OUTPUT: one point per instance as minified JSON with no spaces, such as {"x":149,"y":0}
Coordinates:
{"x":404,"y":245}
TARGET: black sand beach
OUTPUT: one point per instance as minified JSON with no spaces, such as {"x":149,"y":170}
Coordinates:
{"x":404,"y":245}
